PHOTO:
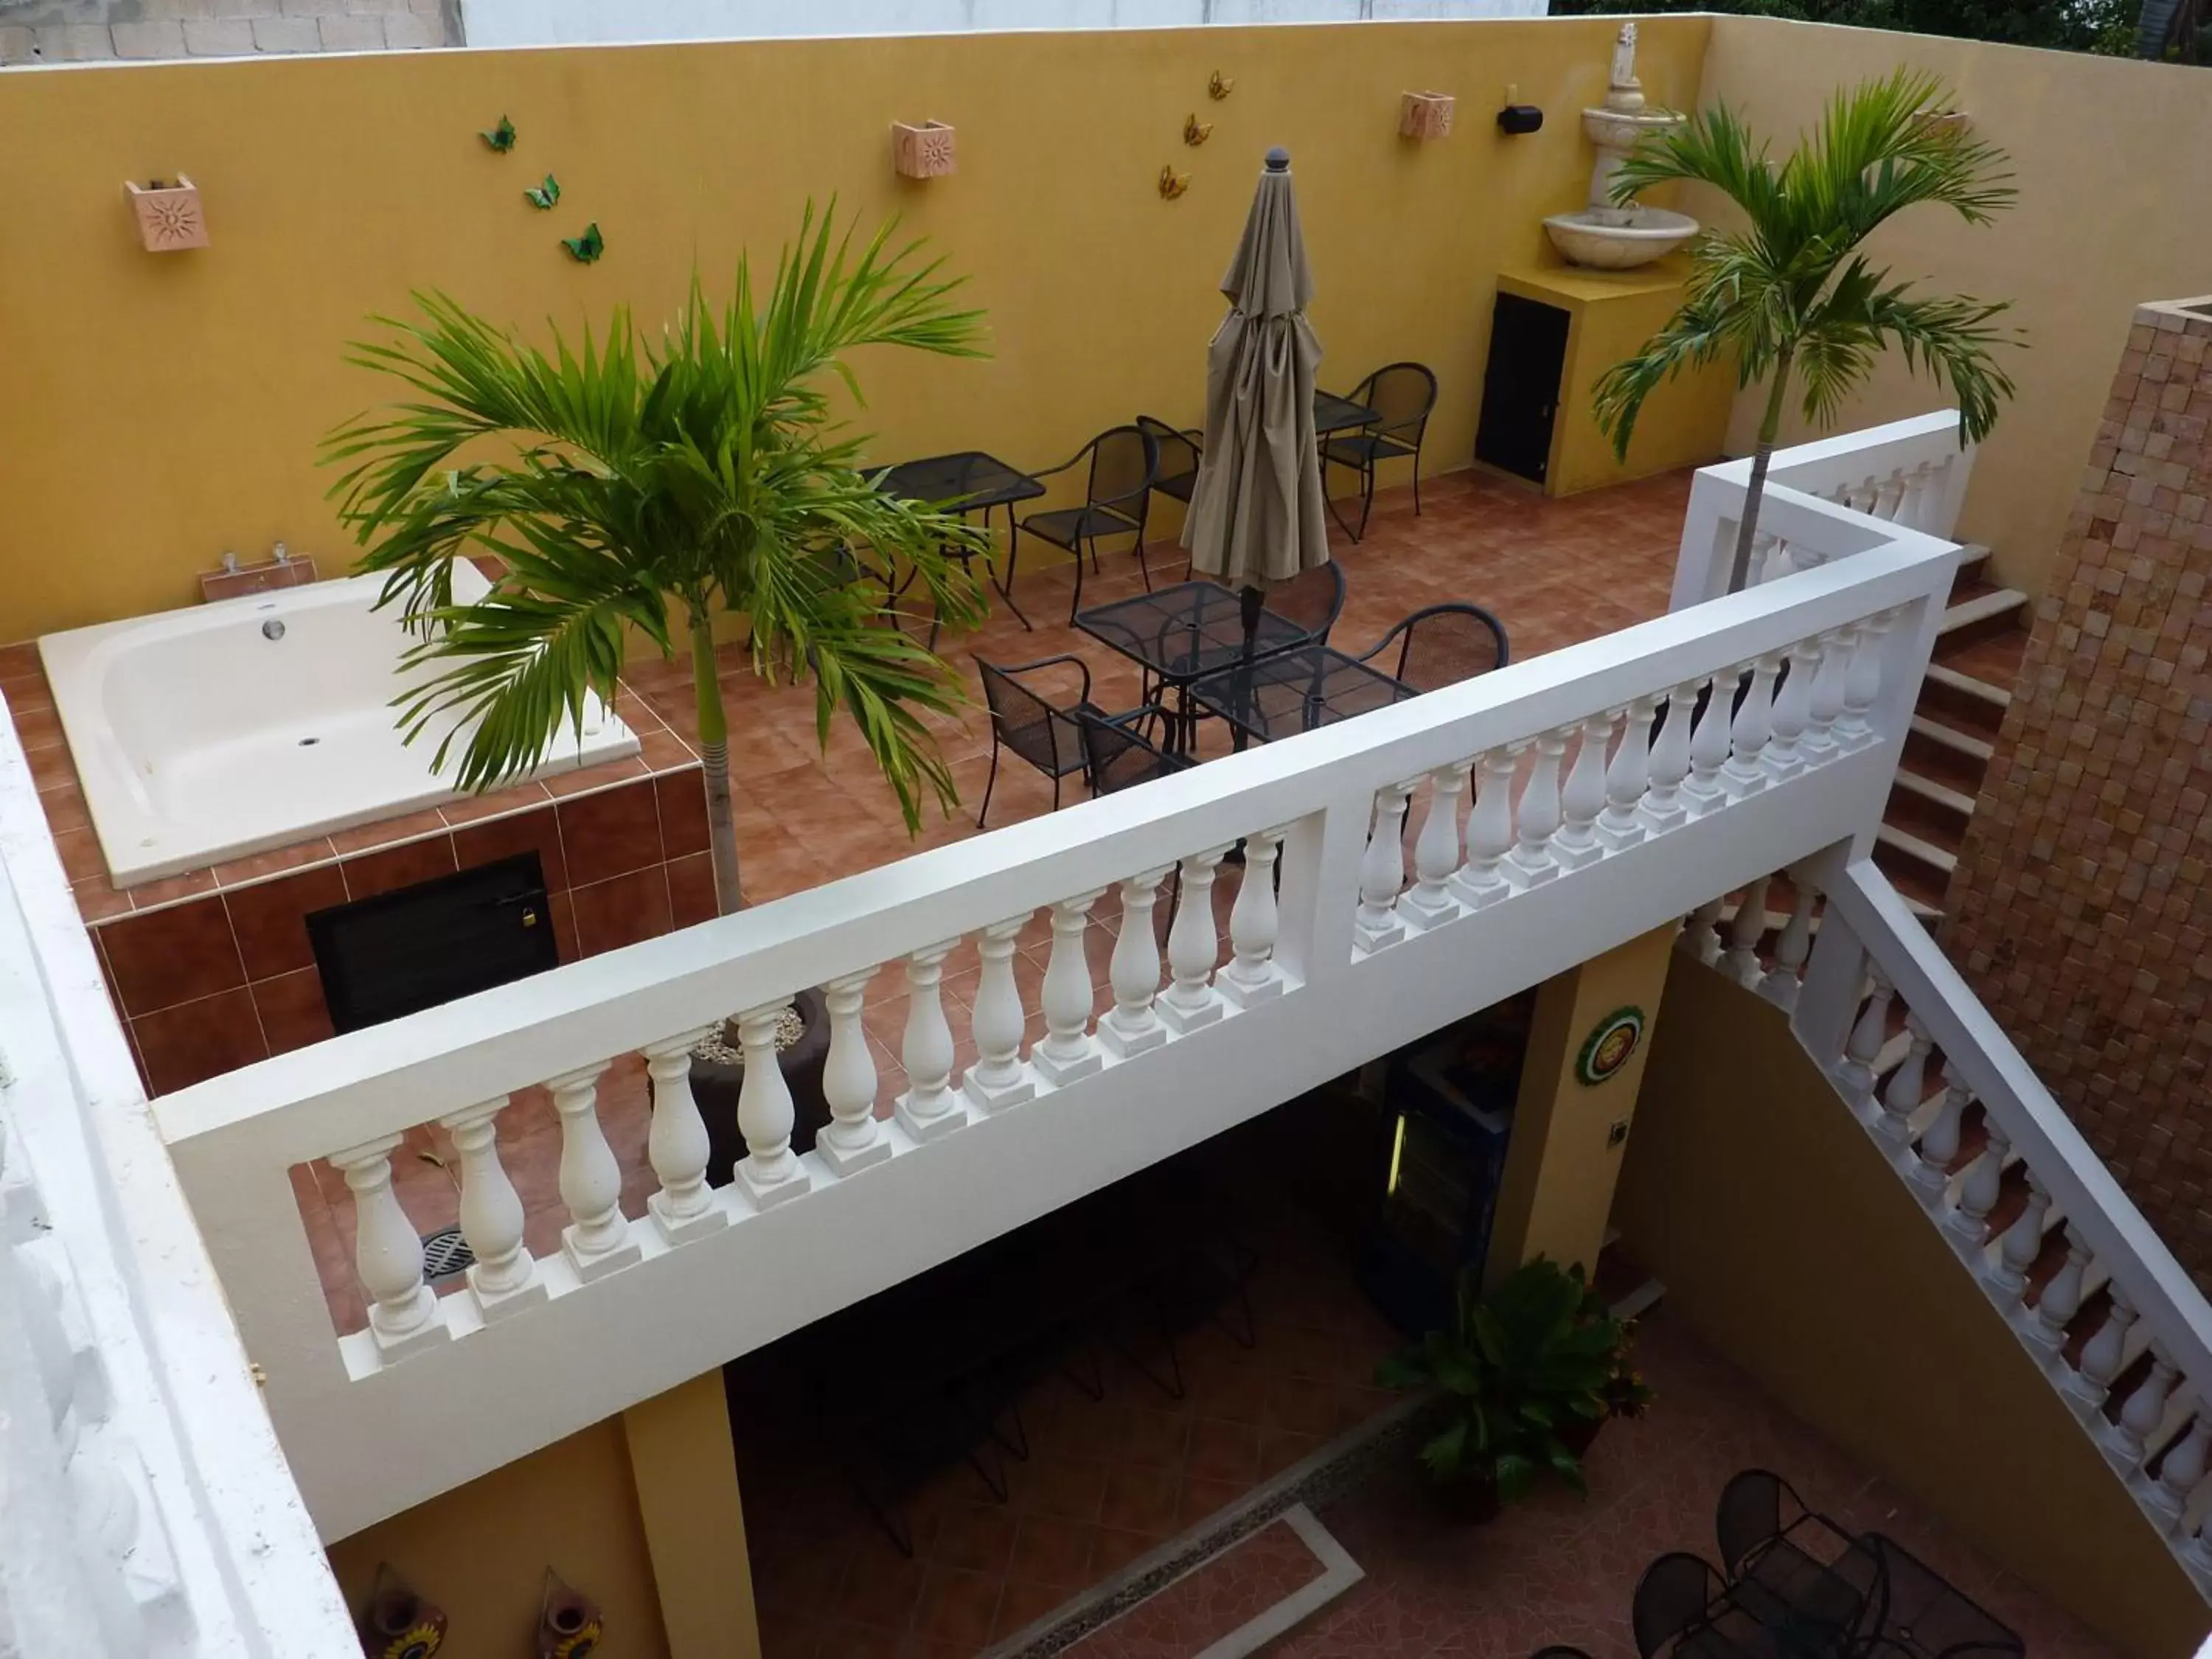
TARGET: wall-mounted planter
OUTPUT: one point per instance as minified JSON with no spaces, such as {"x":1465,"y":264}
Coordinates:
{"x":169,"y":216}
{"x":1425,"y":115}
{"x":923,"y":151}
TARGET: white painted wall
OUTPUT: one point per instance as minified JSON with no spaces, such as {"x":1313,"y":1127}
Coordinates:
{"x":578,"y":22}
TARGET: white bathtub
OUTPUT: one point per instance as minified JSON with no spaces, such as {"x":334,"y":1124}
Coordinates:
{"x":199,"y":738}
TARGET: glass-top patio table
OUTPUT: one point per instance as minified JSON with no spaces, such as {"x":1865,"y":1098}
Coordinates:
{"x":1295,"y":691}
{"x":1178,"y":633}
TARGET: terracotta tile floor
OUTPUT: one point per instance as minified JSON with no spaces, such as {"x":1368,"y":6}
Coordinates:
{"x":1223,"y":1595}
{"x":1555,"y":572}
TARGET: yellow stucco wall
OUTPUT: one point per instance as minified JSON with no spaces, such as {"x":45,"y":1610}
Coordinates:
{"x":1562,"y":1161}
{"x":1786,"y":1241}
{"x":163,"y":408}
{"x":2108,"y":154}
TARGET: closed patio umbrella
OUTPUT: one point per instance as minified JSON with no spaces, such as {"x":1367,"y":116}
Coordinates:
{"x":1256,"y":510}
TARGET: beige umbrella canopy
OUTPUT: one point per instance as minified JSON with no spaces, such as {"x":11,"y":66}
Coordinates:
{"x":1256,"y":509}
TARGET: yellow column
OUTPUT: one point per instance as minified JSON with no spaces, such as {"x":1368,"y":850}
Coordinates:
{"x":695,"y":1524}
{"x":1569,"y":1134}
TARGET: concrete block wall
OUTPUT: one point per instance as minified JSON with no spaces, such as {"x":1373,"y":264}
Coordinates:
{"x":35,"y":32}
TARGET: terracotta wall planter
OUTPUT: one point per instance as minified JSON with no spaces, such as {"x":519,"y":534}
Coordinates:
{"x":923,"y":151}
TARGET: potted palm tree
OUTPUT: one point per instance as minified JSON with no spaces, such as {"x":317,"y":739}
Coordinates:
{"x":634,"y":488}
{"x":1791,"y":291}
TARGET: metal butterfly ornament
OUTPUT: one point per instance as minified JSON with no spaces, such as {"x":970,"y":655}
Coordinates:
{"x":545,"y":195}
{"x":501,"y":137}
{"x":585,"y":249}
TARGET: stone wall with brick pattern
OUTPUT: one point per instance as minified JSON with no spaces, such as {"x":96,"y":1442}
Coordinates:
{"x":2081,"y":908}
{"x":83,"y":31}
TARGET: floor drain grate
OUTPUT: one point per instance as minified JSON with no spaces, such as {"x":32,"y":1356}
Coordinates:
{"x":445,"y":1253}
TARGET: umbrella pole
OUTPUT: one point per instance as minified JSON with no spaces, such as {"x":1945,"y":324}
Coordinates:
{"x":1247,"y":608}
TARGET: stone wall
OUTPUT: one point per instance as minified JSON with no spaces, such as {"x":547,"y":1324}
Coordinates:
{"x":2082,"y":904}
{"x":82,"y":31}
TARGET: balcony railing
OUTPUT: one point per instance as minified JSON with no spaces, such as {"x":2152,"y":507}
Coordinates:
{"x":1549,"y":824}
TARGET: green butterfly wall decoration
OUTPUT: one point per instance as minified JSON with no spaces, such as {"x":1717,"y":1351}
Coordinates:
{"x":501,"y":137}
{"x":545,"y":195}
{"x":585,"y":249}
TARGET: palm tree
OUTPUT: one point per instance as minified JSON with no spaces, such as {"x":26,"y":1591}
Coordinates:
{"x":623,"y":478}
{"x":1792,"y":292}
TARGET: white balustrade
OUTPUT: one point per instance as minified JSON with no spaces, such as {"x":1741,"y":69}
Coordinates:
{"x":2060,"y":1298}
{"x":1530,"y":864}
{"x":1978,"y":1191}
{"x":2021,"y":1242}
{"x":1383,"y":871}
{"x":1855,"y":1076}
{"x":1481,"y":880}
{"x":1662,"y":809}
{"x":929,"y":1107}
{"x":1746,"y":929}
{"x":1862,"y":683}
{"x":1702,"y":791}
{"x":1792,"y":945}
{"x":1784,"y":756}
{"x":1252,"y":976}
{"x":1428,"y":900}
{"x":2144,"y":1410}
{"x":1769,"y":558}
{"x":1194,"y":949}
{"x":770,"y":1171}
{"x":998,"y":1080}
{"x":504,"y":1277}
{"x":853,"y":1139}
{"x":676,"y":1144}
{"x":1743,"y":773}
{"x":1819,"y":742}
{"x":1068,"y":1051}
{"x":1701,"y":933}
{"x":1939,"y":1141}
{"x":2183,"y":1466}
{"x":1132,"y":1024}
{"x":403,"y":1310}
{"x":2103,"y":1354}
{"x":1907,"y":1090}
{"x":1582,"y":797}
{"x":1628,"y":778}
{"x":596,"y":1239}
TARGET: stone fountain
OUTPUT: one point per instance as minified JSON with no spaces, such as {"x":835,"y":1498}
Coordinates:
{"x":1602,"y":236}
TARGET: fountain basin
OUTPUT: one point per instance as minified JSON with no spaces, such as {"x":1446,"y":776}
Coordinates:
{"x":1618,"y":241}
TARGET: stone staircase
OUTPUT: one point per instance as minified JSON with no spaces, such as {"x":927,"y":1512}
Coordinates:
{"x":1962,"y":704}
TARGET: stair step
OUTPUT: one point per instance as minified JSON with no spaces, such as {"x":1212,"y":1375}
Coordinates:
{"x":1967,"y":700}
{"x":1984,"y":613}
{"x":1946,"y":753}
{"x":1955,"y":803}
{"x":1918,"y":868}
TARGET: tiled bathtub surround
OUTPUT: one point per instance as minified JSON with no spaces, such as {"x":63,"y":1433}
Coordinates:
{"x":212,"y":970}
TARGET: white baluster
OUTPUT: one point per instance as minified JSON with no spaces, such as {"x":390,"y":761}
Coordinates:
{"x":1489,"y":830}
{"x":2183,"y":1466}
{"x":1531,"y":863}
{"x":1977,"y":1193}
{"x":596,"y":1239}
{"x":1746,"y":929}
{"x":403,"y":1310}
{"x":505,"y":1276}
{"x":2145,"y":1409}
{"x":2102,"y":1354}
{"x":1662,"y":809}
{"x":1383,"y":871}
{"x":1777,"y":562}
{"x":1252,"y":977}
{"x":2022,"y":1241}
{"x":1194,"y":948}
{"x":1132,"y":1024}
{"x":1701,"y":933}
{"x":1792,"y":945}
{"x":1819,"y":742}
{"x":1627,"y":778}
{"x":676,"y":1144}
{"x":1428,"y":900}
{"x":1939,"y":1141}
{"x":928,"y":1109}
{"x":998,"y":1080}
{"x":1862,"y":683}
{"x":1702,"y":792}
{"x":1913,"y":511}
{"x":1855,"y":1075}
{"x":2060,"y":1298}
{"x":1908,"y":1085}
{"x":1785,"y":757}
{"x":1743,"y":773}
{"x":1889,"y":495}
{"x":852,"y":1138}
{"x":1068,"y":1051}
{"x":770,"y":1171}
{"x":1583,"y":797}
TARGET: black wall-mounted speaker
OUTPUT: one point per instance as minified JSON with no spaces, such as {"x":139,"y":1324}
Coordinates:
{"x":1517,"y":119}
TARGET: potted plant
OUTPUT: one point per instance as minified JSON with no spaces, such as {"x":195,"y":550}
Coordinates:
{"x":1522,"y":1376}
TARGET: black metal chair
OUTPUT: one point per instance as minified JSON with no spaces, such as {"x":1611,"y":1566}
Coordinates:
{"x":1117,"y":754}
{"x":1180,"y":451}
{"x":1124,"y":461}
{"x":1402,"y":395}
{"x":1313,"y":598}
{"x":1046,"y":734}
{"x":1672,"y":1595}
{"x":1749,"y":1516}
{"x":1440,"y":645}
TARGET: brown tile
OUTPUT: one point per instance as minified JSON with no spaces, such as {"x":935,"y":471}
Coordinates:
{"x":50,"y":767}
{"x":1116,"y":1549}
{"x":682,"y":798}
{"x":293,"y":1013}
{"x":974,"y":1537}
{"x":194,"y":1041}
{"x":259,"y":866}
{"x":81,"y":859}
{"x":270,"y":919}
{"x":958,"y":1607}
{"x":475,"y":808}
{"x":1140,"y":1500}
{"x":1203,"y":1497}
{"x":1063,"y":1487}
{"x":691,"y":897}
{"x":661,"y":750}
{"x":1223,"y":1451}
{"x":370,"y":873}
{"x":172,"y":956}
{"x":535,"y":830}
{"x":586,"y":779}
{"x":97,"y":900}
{"x":563,"y":907}
{"x":1021,"y":1605}
{"x":20,"y":661}
{"x":387,"y":832}
{"x":610,"y":833}
{"x":37,"y":728}
{"x":612,"y":914}
{"x":1053,"y":1552}
{"x":65,"y":808}
{"x":148,"y":894}
{"x":1152,"y":1438}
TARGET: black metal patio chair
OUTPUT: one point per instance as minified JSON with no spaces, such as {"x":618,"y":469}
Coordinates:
{"x":1440,"y":645}
{"x":1124,"y":460}
{"x":1672,"y":1595}
{"x":1402,"y":395}
{"x":1118,"y":756}
{"x":1048,"y":735}
{"x":1180,"y":451}
{"x":1313,"y":599}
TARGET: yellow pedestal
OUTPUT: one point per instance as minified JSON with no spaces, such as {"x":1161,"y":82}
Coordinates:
{"x":1610,"y":315}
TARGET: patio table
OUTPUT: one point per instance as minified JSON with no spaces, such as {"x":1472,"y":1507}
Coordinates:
{"x":967,"y":481}
{"x":1924,"y":1615}
{"x":1335,"y":414}
{"x":1295,"y":691}
{"x":1178,"y":633}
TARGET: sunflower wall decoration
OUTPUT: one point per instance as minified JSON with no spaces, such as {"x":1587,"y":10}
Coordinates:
{"x":1608,"y":1048}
